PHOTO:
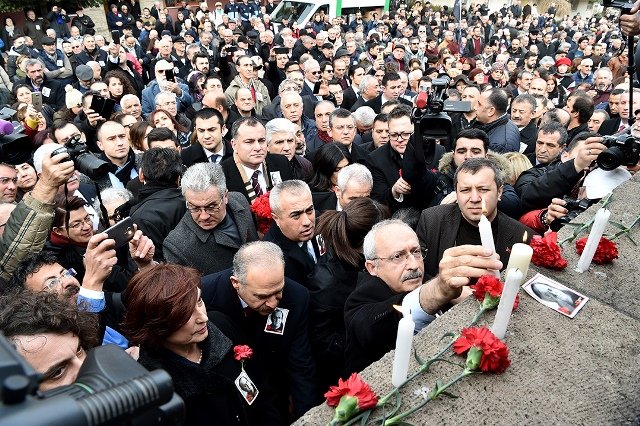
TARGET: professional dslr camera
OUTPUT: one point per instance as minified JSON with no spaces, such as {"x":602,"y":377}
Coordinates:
{"x":111,"y":388}
{"x":623,"y":150}
{"x":575,"y":207}
{"x":84,"y":161}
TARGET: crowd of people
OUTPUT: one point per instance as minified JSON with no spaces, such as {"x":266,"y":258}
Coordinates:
{"x":191,"y":126}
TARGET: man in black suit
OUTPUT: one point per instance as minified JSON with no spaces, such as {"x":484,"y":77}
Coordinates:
{"x":312,"y":75}
{"x":546,"y":47}
{"x":522,"y":109}
{"x":479,"y":184}
{"x":385,"y":163}
{"x":161,"y":205}
{"x":368,"y":91}
{"x":207,"y":125}
{"x":293,"y":228}
{"x":350,"y":96}
{"x":395,"y":276}
{"x":343,"y":130}
{"x":248,"y":294}
{"x":392,"y":89}
{"x":252,"y":171}
{"x":616,"y":125}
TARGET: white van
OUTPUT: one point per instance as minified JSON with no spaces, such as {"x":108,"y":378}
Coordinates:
{"x":302,"y":11}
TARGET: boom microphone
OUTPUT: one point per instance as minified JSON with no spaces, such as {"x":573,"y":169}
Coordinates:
{"x":6,"y":127}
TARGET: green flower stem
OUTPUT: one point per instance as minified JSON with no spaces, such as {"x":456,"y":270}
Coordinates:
{"x":432,"y":395}
{"x":625,"y":230}
{"x":475,"y":319}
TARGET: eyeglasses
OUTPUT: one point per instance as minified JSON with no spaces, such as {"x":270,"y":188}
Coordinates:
{"x":52,"y":283}
{"x":167,"y":104}
{"x":6,"y":180}
{"x":163,"y":71}
{"x":328,"y":70}
{"x":402,"y":258}
{"x":316,"y":72}
{"x":88,"y":219}
{"x":401,"y":135}
{"x":339,"y":92}
{"x":210,"y":209}
{"x":128,"y":126}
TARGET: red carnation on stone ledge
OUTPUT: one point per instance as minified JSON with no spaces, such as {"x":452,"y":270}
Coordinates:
{"x":350,"y":397}
{"x":546,"y":251}
{"x":488,"y":290}
{"x":485,"y":352}
{"x":606,"y":252}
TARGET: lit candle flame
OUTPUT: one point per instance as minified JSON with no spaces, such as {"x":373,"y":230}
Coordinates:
{"x":398,"y":308}
{"x":484,"y":207}
{"x":524,"y":237}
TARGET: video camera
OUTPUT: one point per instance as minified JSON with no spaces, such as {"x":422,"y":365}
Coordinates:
{"x":15,"y":146}
{"x":575,"y":207}
{"x":622,"y":150}
{"x":429,"y":116}
{"x":83,"y":160}
{"x":111,"y":388}
{"x":625,"y":7}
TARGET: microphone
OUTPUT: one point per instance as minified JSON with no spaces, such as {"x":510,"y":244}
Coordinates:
{"x":422,"y":100}
{"x":6,"y":127}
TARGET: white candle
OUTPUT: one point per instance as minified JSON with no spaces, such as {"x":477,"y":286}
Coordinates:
{"x":508,"y":297}
{"x":404,"y":344}
{"x":520,"y":258}
{"x":486,"y":237}
{"x":597,"y":229}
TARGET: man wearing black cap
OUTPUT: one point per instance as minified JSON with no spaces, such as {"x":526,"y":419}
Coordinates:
{"x":180,"y":53}
{"x":56,"y":63}
{"x":83,"y":22}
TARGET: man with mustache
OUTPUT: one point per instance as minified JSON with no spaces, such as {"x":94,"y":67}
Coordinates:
{"x":395,"y":276}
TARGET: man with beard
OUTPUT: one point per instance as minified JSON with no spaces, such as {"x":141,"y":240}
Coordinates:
{"x":395,"y":276}
{"x":52,"y":91}
{"x":18,"y":49}
{"x":522,"y":109}
{"x":602,"y":87}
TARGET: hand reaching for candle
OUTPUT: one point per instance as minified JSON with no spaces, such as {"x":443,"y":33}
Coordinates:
{"x":457,"y":267}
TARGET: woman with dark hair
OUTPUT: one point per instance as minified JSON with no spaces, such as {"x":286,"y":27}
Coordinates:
{"x":42,"y":137}
{"x":166,"y":316}
{"x":555,"y":92}
{"x":119,"y":85}
{"x":9,"y":31}
{"x":326,"y":70}
{"x":328,"y":160}
{"x":335,"y":277}
{"x":27,"y":178}
{"x":126,"y":69}
{"x":195,"y":82}
{"x":70,"y":236}
{"x":163,"y":118}
{"x":138,"y":136}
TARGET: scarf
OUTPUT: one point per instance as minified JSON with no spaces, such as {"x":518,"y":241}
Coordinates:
{"x":124,"y":174}
{"x":324,"y":136}
{"x":60,"y":240}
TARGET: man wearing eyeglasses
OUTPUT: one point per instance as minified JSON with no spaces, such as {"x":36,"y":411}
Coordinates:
{"x":216,"y":224}
{"x":159,"y":84}
{"x":395,"y":275}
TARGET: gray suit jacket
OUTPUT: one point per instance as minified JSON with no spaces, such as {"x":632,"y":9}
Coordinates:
{"x":210,"y":251}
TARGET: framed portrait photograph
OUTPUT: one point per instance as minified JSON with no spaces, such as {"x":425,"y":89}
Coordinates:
{"x":554,"y":295}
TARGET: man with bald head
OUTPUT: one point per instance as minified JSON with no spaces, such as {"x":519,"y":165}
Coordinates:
{"x":248,"y":294}
{"x":113,"y":141}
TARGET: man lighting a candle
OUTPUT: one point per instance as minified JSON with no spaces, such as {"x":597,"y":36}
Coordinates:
{"x":395,"y":276}
{"x":477,"y":181}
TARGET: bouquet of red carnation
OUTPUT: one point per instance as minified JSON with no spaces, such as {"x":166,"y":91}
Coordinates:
{"x":485,"y":352}
{"x":546,"y":251}
{"x":606,"y":252}
{"x":261,"y":208}
{"x":350,"y":397}
{"x":488,"y":290}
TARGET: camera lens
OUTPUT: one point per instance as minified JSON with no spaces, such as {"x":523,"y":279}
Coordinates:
{"x":610,"y":159}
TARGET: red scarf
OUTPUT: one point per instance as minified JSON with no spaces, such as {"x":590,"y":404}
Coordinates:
{"x":324,"y":136}
{"x":59,"y":240}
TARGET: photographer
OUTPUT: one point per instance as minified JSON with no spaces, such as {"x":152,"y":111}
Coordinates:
{"x":26,"y":230}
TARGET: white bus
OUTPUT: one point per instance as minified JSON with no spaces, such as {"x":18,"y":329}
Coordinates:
{"x":302,"y":11}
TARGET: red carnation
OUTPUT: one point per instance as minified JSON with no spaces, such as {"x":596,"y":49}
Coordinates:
{"x":606,"y":252}
{"x":261,"y":208}
{"x":350,"y":397}
{"x":485,"y":352}
{"x":488,"y":290}
{"x":242,"y":352}
{"x":546,"y":252}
